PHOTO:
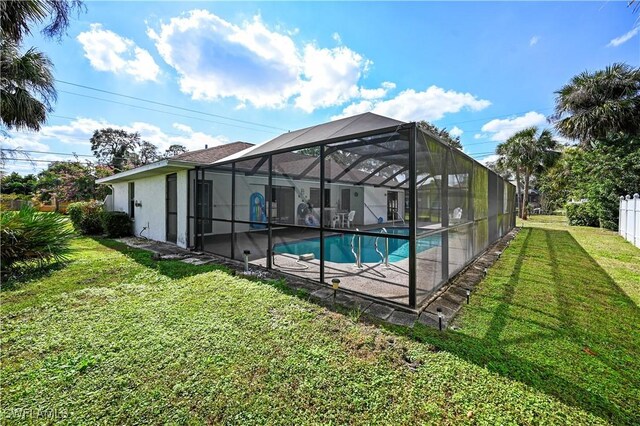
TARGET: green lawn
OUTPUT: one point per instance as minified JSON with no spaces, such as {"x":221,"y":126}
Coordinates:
{"x":115,"y":337}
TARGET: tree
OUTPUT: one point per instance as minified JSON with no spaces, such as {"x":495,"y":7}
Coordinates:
{"x":594,"y":105}
{"x":17,"y":17}
{"x":528,"y":151}
{"x":148,"y":153}
{"x":27,"y":89}
{"x":509,"y":153}
{"x":115,"y":147}
{"x":453,"y":141}
{"x":72,"y":181}
{"x":26,"y":81}
{"x":17,"y":184}
{"x":600,"y":175}
{"x":174,"y":150}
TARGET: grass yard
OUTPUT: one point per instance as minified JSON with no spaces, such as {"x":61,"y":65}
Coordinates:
{"x":551,"y":336}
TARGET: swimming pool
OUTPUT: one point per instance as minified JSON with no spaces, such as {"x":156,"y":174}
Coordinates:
{"x":338,"y":247}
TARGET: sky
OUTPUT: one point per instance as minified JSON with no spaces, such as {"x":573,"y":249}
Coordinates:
{"x":203,"y":73}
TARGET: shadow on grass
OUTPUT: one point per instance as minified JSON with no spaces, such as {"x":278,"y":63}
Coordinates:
{"x":574,"y":336}
{"x":174,"y":269}
{"x":13,"y":280}
{"x":583,"y":308}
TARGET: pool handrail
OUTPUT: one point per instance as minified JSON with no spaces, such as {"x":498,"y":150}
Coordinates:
{"x":384,"y":259}
{"x":357,"y":255}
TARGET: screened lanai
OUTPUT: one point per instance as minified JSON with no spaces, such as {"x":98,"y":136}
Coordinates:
{"x":382,"y":205}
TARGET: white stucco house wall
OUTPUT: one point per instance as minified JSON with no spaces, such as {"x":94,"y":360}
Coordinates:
{"x":143,"y":192}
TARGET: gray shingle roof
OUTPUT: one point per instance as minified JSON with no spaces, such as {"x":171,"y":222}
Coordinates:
{"x":209,"y":155}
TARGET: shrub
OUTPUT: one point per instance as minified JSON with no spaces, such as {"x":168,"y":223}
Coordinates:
{"x":30,"y":237}
{"x":85,"y":216}
{"x":116,"y":224}
{"x":582,"y":214}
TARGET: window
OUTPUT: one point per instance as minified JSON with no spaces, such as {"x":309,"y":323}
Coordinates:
{"x":314,"y":197}
{"x":132,"y":200}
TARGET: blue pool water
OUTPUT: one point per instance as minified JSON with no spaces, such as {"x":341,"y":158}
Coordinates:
{"x":338,"y":247}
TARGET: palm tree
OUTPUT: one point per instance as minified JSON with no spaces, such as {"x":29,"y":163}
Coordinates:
{"x":26,"y":80}
{"x":17,"y":16}
{"x":508,"y":163}
{"x":594,"y":105}
{"x":27,"y":88}
{"x":526,"y":152}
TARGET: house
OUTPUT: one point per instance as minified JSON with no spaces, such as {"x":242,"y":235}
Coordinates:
{"x":382,"y":205}
{"x":155,"y":195}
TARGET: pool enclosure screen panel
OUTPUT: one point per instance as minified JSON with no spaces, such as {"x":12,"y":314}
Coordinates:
{"x":393,"y":214}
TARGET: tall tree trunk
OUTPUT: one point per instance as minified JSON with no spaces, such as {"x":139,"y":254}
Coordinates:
{"x":519,"y":191}
{"x":525,"y":199}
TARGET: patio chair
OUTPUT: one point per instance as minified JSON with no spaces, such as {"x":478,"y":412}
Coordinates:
{"x":352,"y":215}
{"x":335,"y":221}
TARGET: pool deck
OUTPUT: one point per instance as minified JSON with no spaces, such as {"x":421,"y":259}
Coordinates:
{"x":372,"y":279}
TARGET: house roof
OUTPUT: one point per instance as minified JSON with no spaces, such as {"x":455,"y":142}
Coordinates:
{"x":356,"y":124}
{"x":209,"y":155}
{"x":185,"y":161}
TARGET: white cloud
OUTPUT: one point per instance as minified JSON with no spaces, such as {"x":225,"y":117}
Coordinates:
{"x":77,"y":133}
{"x":431,"y":104}
{"x":255,"y":65}
{"x":479,"y":136}
{"x":378,"y":93}
{"x":456,"y":131}
{"x":501,"y":129}
{"x":23,"y":142}
{"x":330,"y":77}
{"x":624,"y":37}
{"x":107,"y":51}
{"x":489,"y":159}
{"x":337,"y":38}
{"x":534,"y":40}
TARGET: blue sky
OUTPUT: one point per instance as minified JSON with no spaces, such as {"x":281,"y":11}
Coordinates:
{"x":482,"y":70}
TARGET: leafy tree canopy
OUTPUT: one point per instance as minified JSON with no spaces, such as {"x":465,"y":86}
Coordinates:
{"x":72,"y":181}
{"x":453,"y":141}
{"x":115,"y":147}
{"x":174,"y":150}
{"x":601,"y":175}
{"x":17,"y":184}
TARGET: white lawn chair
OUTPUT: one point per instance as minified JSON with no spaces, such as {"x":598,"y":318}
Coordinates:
{"x":352,"y":215}
{"x":335,"y":221}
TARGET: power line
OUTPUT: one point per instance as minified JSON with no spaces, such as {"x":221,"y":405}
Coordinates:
{"x":47,"y":152}
{"x":84,"y":139}
{"x":164,"y":112}
{"x":171,"y":106}
{"x":35,"y":160}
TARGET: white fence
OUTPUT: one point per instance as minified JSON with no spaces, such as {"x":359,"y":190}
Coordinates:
{"x":629,"y":222}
